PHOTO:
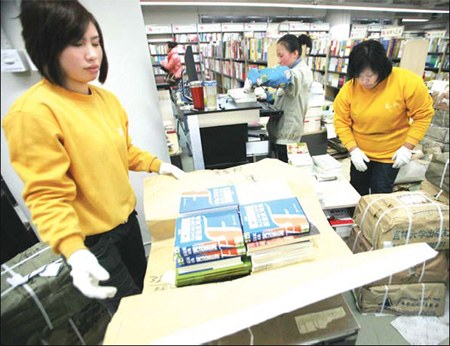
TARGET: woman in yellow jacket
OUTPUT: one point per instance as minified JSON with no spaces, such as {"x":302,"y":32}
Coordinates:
{"x":381,"y":113}
{"x":69,"y":143}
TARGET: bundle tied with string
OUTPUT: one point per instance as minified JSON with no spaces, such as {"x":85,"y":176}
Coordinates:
{"x":403,"y":218}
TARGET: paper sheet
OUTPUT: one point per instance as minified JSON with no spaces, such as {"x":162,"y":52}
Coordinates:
{"x":423,"y":330}
{"x":197,"y":314}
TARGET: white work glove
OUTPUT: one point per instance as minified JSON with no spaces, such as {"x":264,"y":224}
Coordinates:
{"x":168,"y":169}
{"x":402,"y":157}
{"x":358,"y":157}
{"x":87,"y":272}
{"x":260,"y":93}
{"x":248,"y":86}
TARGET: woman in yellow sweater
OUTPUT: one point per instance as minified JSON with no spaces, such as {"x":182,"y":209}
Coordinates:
{"x":381,"y":113}
{"x":69,"y":143}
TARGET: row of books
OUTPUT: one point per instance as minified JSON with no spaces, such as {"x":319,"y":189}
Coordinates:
{"x":338,"y":64}
{"x":319,"y":46}
{"x":437,"y":45}
{"x":316,"y":62}
{"x":393,"y":47}
{"x":231,"y":83}
{"x":180,"y":38}
{"x":433,"y":61}
{"x":234,"y":69}
{"x":227,"y":231}
{"x":256,"y":48}
{"x":335,"y":80}
{"x":342,"y":48}
{"x":233,"y":49}
{"x":210,"y":37}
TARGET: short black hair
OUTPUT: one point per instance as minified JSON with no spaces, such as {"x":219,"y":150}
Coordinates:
{"x":371,"y":54}
{"x":48,"y":27}
{"x":171,"y":44}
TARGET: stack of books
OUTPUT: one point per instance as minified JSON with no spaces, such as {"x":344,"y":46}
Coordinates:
{"x":341,"y":221}
{"x":298,"y":156}
{"x":326,"y":167}
{"x":276,"y":229}
{"x":209,"y":243}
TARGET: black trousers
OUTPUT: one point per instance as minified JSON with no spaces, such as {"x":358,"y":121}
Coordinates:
{"x":121,"y":252}
{"x":378,"y":178}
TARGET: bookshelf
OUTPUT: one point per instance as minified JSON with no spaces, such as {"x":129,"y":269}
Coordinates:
{"x":436,"y":65}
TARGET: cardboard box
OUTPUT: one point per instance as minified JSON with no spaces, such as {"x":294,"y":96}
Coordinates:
{"x":201,"y":313}
{"x":330,"y":321}
{"x":402,"y":218}
{"x":414,"y":299}
{"x":434,"y":271}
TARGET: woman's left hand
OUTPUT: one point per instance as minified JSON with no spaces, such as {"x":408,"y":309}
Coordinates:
{"x":168,"y":169}
{"x":402,"y":157}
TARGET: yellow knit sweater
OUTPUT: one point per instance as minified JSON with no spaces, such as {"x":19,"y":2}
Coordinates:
{"x":73,"y":153}
{"x":378,"y":121}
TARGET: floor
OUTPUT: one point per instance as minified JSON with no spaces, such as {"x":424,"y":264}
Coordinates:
{"x":375,"y":330}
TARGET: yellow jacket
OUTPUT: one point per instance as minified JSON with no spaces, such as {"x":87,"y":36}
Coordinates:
{"x":378,"y":121}
{"x":73,"y":153}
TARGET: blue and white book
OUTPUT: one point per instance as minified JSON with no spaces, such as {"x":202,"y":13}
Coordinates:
{"x":273,"y":219}
{"x":208,"y":232}
{"x":208,"y":200}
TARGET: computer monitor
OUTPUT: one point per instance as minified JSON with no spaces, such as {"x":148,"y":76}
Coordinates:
{"x":190,"y":64}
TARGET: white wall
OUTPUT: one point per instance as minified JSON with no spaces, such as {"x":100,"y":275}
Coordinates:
{"x":130,"y":77}
{"x":339,"y":24}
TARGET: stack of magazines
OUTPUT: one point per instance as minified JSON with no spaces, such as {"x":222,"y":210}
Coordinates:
{"x":276,"y":229}
{"x":209,"y":243}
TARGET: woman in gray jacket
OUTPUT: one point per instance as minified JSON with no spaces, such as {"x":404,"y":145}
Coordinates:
{"x":292,"y":79}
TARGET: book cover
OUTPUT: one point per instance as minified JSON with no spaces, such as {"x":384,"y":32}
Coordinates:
{"x":213,"y":199}
{"x":273,"y":219}
{"x":208,"y":232}
{"x":210,"y":256}
{"x":264,"y":245}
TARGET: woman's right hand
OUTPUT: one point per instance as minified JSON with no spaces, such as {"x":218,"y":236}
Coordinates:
{"x":358,"y":157}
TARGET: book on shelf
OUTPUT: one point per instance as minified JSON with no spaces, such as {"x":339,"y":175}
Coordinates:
{"x":273,"y":219}
{"x":203,"y":233}
{"x":264,"y":245}
{"x":214,"y":275}
{"x":208,"y":200}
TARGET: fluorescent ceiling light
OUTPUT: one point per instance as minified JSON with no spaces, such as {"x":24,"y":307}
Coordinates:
{"x":288,"y":5}
{"x":404,"y":20}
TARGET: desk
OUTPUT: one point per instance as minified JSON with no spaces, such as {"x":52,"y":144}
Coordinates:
{"x":227,"y":113}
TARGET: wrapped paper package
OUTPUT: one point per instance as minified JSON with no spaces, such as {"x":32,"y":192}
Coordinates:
{"x":431,"y":271}
{"x":438,"y":170}
{"x":403,"y":218}
{"x":413,"y":299}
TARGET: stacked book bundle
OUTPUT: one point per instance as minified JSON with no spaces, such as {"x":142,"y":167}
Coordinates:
{"x":298,"y":156}
{"x":326,"y":167}
{"x":226,"y":232}
{"x":341,"y":221}
{"x":209,"y":242}
{"x":276,"y":230}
